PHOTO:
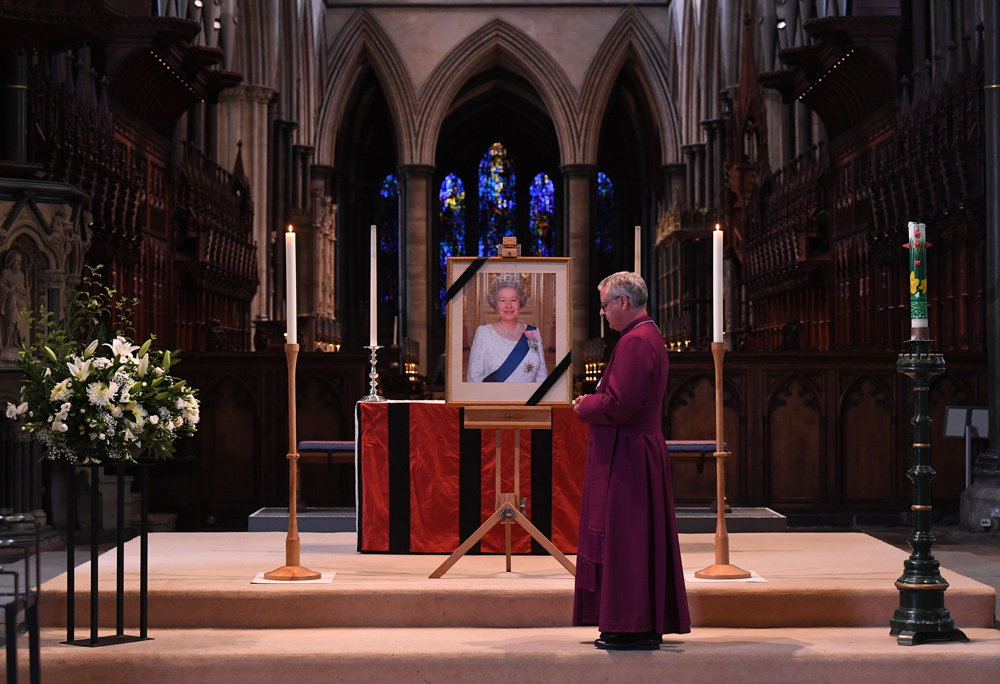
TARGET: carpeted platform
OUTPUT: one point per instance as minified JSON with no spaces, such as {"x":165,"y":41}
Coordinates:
{"x":820,"y":615}
{"x":202,"y":580}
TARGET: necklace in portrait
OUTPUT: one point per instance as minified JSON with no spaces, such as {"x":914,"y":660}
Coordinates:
{"x":507,"y":333}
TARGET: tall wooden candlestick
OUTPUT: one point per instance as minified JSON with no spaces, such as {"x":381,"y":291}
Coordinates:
{"x":722,"y":569}
{"x":292,"y":570}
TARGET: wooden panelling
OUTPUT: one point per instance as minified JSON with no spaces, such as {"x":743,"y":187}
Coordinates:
{"x":241,"y":445}
{"x":866,"y":470}
{"x":794,"y":453}
{"x":817,"y":433}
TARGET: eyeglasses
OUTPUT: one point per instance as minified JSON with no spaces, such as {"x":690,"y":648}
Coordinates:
{"x":604,"y":304}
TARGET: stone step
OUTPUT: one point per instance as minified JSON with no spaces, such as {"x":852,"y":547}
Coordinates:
{"x":501,"y":656}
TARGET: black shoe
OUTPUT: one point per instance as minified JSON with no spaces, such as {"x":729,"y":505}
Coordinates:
{"x":628,"y":641}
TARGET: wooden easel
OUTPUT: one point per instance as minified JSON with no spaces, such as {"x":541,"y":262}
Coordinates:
{"x":508,"y":510}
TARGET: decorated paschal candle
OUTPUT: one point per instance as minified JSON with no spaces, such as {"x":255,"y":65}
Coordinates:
{"x":918,"y":280}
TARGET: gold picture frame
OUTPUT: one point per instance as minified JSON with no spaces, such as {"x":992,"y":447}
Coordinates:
{"x":548,"y":308}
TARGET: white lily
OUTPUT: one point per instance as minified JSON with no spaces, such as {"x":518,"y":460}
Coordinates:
{"x":91,"y":348}
{"x":121,"y":347}
{"x":79,"y":369}
{"x":15,"y":411}
{"x":143,"y":365}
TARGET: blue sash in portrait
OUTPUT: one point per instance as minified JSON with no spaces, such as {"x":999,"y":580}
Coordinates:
{"x":513,"y":359}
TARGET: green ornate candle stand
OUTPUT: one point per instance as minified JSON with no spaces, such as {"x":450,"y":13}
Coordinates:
{"x":921,"y":616}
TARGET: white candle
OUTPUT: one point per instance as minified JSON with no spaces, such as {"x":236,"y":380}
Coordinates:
{"x":373,"y":296}
{"x":638,"y":250}
{"x":717,"y":284}
{"x":291,"y":309}
{"x":395,"y":329}
{"x":602,"y":327}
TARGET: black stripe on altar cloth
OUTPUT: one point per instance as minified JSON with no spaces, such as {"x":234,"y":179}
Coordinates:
{"x":470,"y":486}
{"x":541,"y":485}
{"x":399,"y":478}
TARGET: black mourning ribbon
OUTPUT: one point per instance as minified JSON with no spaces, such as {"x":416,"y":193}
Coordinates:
{"x":466,"y":276}
{"x":553,"y":378}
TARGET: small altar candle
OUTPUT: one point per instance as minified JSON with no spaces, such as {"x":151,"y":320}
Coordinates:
{"x":373,"y":295}
{"x":602,"y":327}
{"x":395,"y":329}
{"x":291,"y":309}
{"x":638,"y":250}
{"x":717,"y":284}
{"x":918,"y":280}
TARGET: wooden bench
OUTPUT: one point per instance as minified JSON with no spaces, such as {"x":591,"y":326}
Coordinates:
{"x":342,"y":451}
{"x":693,"y":449}
{"x":329,"y":452}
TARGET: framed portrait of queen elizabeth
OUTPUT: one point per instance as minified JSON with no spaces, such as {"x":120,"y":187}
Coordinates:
{"x":508,"y":331}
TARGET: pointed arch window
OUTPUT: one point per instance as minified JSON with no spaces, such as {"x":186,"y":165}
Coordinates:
{"x":451,"y":203}
{"x":496,"y":198}
{"x":388,"y":237}
{"x":541,"y":211}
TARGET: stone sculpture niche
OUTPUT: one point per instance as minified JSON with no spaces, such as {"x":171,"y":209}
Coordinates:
{"x":44,"y":234}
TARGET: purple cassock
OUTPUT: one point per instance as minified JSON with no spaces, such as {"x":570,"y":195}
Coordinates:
{"x":628,"y":566}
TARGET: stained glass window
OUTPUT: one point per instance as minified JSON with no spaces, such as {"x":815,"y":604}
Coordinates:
{"x":452,"y":206}
{"x":388,"y":237}
{"x":604,"y":240}
{"x":541,"y":212}
{"x":496,"y":199}
{"x":605,"y":213}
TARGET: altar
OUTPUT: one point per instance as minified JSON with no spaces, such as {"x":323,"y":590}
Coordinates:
{"x":425,"y":483}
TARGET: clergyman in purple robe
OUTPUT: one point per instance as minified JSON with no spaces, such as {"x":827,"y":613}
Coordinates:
{"x":629,"y":579}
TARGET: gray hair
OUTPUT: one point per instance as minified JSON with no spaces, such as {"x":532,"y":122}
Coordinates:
{"x":626,"y":283}
{"x":503,"y":280}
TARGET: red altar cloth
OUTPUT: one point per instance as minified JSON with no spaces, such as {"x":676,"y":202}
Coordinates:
{"x":425,"y":484}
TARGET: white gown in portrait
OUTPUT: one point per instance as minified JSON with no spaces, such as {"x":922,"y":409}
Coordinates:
{"x":490,"y":349}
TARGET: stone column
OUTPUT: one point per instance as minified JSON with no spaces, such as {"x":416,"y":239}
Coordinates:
{"x":689,"y":187}
{"x":243,"y":118}
{"x":675,"y":177}
{"x":13,"y":105}
{"x":416,"y":256}
{"x":308,"y":153}
{"x":719,"y":160}
{"x":711,"y":190}
{"x":295,"y":180}
{"x":699,"y":175}
{"x":578,"y":189}
{"x":804,"y":127}
{"x":788,"y":112}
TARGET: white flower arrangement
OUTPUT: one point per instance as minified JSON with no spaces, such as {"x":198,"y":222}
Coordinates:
{"x":97,"y":401}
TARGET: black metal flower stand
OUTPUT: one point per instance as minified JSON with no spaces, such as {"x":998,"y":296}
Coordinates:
{"x":119,"y":637}
{"x":28,"y":603}
{"x":921,"y":616}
